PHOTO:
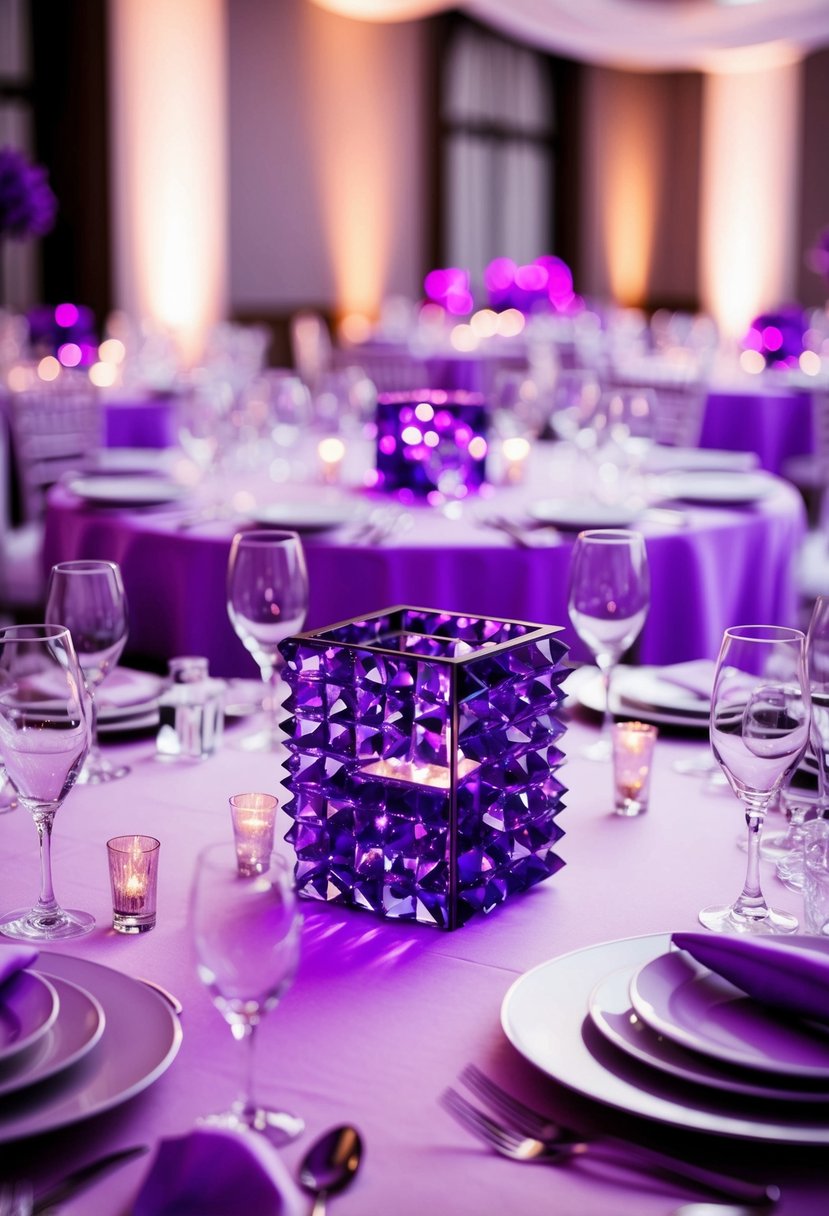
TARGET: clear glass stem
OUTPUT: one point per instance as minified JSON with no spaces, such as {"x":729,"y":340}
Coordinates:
{"x":93,"y":756}
{"x":245,"y":1105}
{"x":607,"y":717}
{"x":47,"y":905}
{"x":751,"y":902}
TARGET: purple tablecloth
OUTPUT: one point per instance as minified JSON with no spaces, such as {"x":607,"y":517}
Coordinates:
{"x":382,"y":1017}
{"x":776,"y":423}
{"x":721,"y":566}
{"x":140,"y":421}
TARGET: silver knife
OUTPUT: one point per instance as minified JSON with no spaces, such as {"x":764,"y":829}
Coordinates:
{"x":75,"y":1182}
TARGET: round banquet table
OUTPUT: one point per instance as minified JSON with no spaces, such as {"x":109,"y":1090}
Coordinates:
{"x":712,"y":566}
{"x":383,"y":1015}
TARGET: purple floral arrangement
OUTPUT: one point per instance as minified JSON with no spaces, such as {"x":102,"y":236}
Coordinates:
{"x":27,"y":204}
{"x":778,"y":336}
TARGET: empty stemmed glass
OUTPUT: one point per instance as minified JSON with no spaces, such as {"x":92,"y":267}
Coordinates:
{"x":759,"y":730}
{"x":87,"y":597}
{"x":44,"y":737}
{"x":246,"y":929}
{"x":608,"y":600}
{"x":787,"y":847}
{"x":267,"y":601}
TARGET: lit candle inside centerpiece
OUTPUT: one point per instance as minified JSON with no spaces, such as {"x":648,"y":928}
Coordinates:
{"x":633,"y":744}
{"x":254,"y":817}
{"x":133,"y":874}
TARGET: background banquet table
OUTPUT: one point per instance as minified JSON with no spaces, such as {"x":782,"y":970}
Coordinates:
{"x":711,"y":565}
{"x":382,"y":1016}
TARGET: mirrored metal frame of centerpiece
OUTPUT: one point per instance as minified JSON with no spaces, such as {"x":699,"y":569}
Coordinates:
{"x":424,"y":749}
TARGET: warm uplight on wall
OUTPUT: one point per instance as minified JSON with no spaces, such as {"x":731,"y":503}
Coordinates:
{"x":750,"y":155}
{"x":630,"y":191}
{"x":169,"y":105}
{"x":355,"y":149}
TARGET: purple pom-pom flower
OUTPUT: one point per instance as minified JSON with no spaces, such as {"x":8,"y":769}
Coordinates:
{"x":27,"y":203}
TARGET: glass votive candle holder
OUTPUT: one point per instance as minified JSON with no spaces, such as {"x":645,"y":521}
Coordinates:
{"x":633,"y":744}
{"x":133,"y":876}
{"x":816,"y":877}
{"x":254,"y":817}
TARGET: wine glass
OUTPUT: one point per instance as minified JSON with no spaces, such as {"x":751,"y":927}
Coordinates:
{"x":44,"y":737}
{"x":608,"y":599}
{"x":788,"y":846}
{"x":246,"y":929}
{"x":759,"y":730}
{"x":87,"y":597}
{"x":267,"y":601}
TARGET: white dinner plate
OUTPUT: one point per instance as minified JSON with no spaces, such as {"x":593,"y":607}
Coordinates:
{"x":578,"y":516}
{"x":128,"y":700}
{"x":612,"y":1015}
{"x":308,"y":516}
{"x":74,"y":1032}
{"x":675,"y":459}
{"x":544,"y":1016}
{"x":128,"y":460}
{"x":29,"y":1005}
{"x":127,"y":490}
{"x":590,"y":693}
{"x":679,"y":998}
{"x":141,"y":1038}
{"x":718,"y":488}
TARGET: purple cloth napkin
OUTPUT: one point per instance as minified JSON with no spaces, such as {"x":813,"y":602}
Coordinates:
{"x":14,"y":959}
{"x":212,"y":1171}
{"x":790,"y":973}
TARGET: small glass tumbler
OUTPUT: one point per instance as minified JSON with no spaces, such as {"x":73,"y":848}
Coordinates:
{"x":816,"y":877}
{"x":133,"y":876}
{"x":254,"y":817}
{"x":633,"y":744}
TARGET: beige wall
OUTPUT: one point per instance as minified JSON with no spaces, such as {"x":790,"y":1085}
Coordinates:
{"x":329,"y":166}
{"x":327,"y":157}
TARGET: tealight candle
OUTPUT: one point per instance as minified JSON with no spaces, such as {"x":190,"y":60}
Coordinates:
{"x":331,"y":452}
{"x":514,"y":451}
{"x":633,"y":744}
{"x":133,"y":875}
{"x":253,"y":817}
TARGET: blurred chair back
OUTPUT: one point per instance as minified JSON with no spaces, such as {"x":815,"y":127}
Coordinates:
{"x":56,"y":427}
{"x":680,"y":393}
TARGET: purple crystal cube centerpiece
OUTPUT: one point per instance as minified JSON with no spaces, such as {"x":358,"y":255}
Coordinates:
{"x":423,"y":756}
{"x":431,"y":442}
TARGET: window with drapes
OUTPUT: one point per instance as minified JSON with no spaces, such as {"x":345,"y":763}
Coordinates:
{"x":503,"y":130}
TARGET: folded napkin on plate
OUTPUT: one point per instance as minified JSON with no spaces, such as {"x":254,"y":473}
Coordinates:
{"x":212,"y":1171}
{"x":787,"y":973}
{"x":14,"y":959}
{"x":695,"y":676}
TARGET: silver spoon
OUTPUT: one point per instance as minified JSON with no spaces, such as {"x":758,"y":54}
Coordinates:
{"x":330,"y":1164}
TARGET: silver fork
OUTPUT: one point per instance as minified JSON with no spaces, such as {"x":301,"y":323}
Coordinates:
{"x":560,"y":1145}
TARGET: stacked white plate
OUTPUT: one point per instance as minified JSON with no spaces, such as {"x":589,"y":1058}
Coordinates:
{"x":76,"y":1039}
{"x":668,"y":696}
{"x":645,"y":1029}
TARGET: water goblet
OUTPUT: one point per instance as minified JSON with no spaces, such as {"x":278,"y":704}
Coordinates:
{"x":88,"y":598}
{"x":44,"y":737}
{"x":246,"y":929}
{"x":267,"y":601}
{"x":759,"y":730}
{"x":608,"y":599}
